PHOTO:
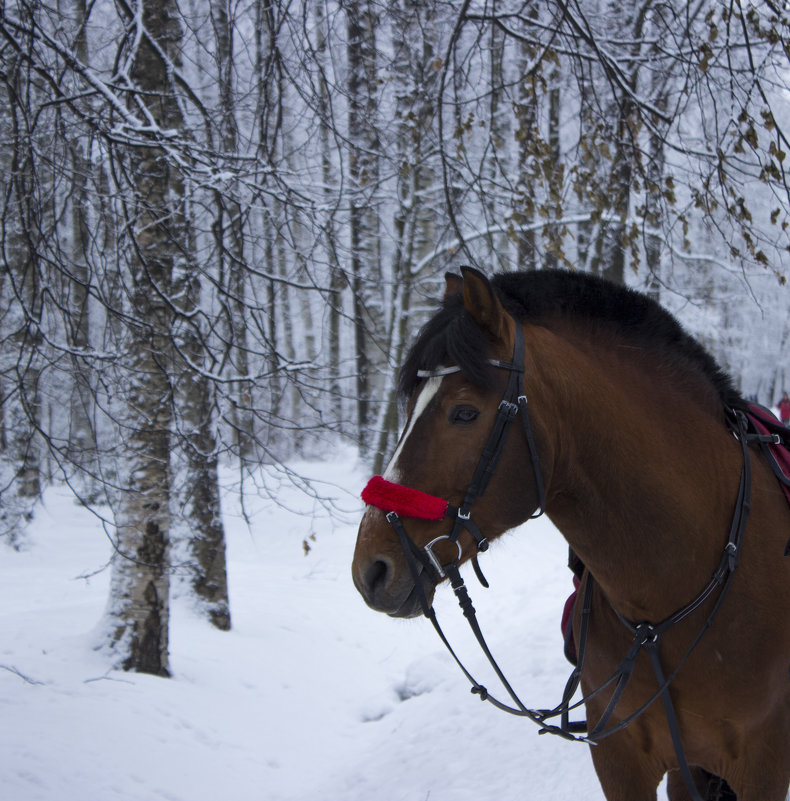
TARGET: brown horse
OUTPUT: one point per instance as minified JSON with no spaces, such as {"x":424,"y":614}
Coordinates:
{"x":682,"y":527}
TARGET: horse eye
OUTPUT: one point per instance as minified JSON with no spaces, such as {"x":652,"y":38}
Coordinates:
{"x":464,"y":415}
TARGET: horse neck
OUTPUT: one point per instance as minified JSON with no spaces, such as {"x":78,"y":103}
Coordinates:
{"x":643,"y":476}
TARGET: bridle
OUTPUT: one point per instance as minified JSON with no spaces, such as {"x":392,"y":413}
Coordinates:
{"x":398,"y":501}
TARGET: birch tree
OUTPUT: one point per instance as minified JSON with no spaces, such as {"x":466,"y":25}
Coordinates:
{"x":415,"y":70}
{"x":27,"y":218}
{"x":81,"y":438}
{"x":338,"y":277}
{"x":228,"y":231}
{"x":365,"y":256}
{"x":139,"y":607}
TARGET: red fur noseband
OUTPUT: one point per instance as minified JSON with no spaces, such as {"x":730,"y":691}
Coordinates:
{"x":404,"y":501}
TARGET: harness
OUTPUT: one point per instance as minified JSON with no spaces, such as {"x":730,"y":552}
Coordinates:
{"x":399,"y":501}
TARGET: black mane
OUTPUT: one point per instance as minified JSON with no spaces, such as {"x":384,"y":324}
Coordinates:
{"x":451,"y":337}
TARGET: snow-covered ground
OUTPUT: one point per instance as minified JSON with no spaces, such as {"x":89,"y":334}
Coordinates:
{"x":311,"y":696}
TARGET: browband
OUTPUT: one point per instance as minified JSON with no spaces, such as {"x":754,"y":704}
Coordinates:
{"x":440,"y":371}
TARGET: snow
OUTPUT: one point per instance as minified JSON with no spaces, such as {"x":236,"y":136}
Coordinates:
{"x":311,"y":697}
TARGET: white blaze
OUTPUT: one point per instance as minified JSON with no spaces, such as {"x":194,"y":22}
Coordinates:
{"x":423,"y":399}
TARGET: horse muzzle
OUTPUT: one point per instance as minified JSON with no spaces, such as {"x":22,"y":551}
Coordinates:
{"x":389,"y":579}
{"x":385,"y":588}
{"x":381,"y":573}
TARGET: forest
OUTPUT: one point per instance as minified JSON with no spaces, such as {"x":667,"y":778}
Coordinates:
{"x":221,"y":223}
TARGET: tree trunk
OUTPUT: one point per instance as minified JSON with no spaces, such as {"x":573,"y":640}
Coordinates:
{"x":268,"y":114}
{"x":337,"y":278}
{"x":552,"y":232}
{"x":499,"y":153}
{"x":82,"y":440}
{"x":139,"y":610}
{"x":610,"y":247}
{"x":229,"y":237}
{"x":613,"y":236}
{"x":201,"y":507}
{"x":415,"y":38}
{"x":196,"y":399}
{"x":26,"y":221}
{"x":654,"y":183}
{"x":363,"y":216}
{"x":526,"y":135}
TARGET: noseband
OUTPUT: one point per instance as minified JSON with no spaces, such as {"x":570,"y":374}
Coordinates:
{"x":398,"y":501}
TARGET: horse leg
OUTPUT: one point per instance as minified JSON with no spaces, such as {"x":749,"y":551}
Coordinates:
{"x":710,"y":787}
{"x":625,"y":771}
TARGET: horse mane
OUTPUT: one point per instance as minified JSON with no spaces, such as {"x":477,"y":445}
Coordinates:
{"x":543,"y":296}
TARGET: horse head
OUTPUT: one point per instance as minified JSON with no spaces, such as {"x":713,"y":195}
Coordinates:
{"x":459,"y":476}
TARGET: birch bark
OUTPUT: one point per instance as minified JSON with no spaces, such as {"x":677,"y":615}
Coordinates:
{"x":365,"y":254}
{"x":140,"y":583}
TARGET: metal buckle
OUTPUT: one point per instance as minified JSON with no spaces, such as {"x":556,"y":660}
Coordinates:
{"x":432,"y":556}
{"x":391,"y":516}
{"x":464,"y":516}
{"x":647,"y":632}
{"x":510,"y":408}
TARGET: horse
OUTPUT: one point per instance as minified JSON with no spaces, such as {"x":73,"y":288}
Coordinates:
{"x":641,"y":451}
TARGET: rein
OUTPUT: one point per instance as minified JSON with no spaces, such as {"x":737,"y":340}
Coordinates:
{"x":398,"y":501}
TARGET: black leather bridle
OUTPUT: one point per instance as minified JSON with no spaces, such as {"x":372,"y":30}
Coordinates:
{"x":645,"y":636}
{"x":513,"y":402}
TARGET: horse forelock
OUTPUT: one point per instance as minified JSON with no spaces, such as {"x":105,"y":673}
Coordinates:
{"x":450,"y":337}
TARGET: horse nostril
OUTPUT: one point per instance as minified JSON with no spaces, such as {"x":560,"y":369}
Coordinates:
{"x":377,"y":575}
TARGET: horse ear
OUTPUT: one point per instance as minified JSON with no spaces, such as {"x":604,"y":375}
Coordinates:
{"x":454,"y":284}
{"x":482,"y":304}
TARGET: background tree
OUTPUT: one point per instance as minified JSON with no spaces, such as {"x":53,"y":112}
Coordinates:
{"x":363,"y":167}
{"x":156,"y":219}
